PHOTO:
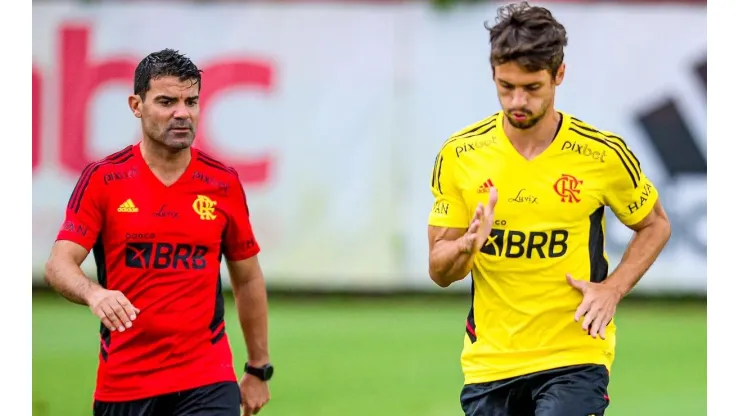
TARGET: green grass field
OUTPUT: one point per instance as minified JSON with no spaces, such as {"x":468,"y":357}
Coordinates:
{"x":385,"y":356}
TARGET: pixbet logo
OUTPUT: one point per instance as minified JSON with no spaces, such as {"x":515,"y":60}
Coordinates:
{"x":474,"y":145}
{"x":81,"y":76}
{"x":583,"y":149}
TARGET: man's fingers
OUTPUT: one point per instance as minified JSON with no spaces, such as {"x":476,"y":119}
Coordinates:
{"x":578,"y":284}
{"x":602,"y":329}
{"x":128,"y":308}
{"x":607,"y":319}
{"x":121,"y":314}
{"x":596,"y":325}
{"x":478,"y":214}
{"x":589,"y":318}
{"x":474,"y":226}
{"x":105,"y":321}
{"x":108,"y":310}
{"x":492,"y":199}
{"x":260,"y":404}
{"x":582,"y":309}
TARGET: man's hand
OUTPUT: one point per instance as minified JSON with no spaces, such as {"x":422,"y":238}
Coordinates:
{"x":480,"y":226}
{"x":113,"y":309}
{"x":255,"y":394}
{"x":598,"y":306}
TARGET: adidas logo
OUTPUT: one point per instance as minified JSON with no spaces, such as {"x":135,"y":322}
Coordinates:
{"x":128,"y":206}
{"x":485,"y":187}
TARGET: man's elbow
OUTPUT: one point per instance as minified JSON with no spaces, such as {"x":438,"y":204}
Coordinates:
{"x":49,"y":268}
{"x":665,"y":226}
{"x":439,"y":278}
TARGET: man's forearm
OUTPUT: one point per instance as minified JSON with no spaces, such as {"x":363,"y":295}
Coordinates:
{"x":639,"y":256}
{"x":251,"y":305}
{"x":448,"y":263}
{"x":68,"y":279}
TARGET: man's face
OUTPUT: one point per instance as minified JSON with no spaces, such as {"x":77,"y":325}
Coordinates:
{"x":525,"y":96}
{"x":169,"y":114}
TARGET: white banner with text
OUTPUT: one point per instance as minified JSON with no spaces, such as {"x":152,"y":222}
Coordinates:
{"x":334,"y":123}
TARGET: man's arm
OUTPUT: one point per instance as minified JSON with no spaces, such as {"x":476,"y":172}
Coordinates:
{"x":64,"y":275}
{"x":83,"y":220}
{"x":81,"y":227}
{"x":241,"y":249}
{"x":634,"y":200}
{"x":451,"y":252}
{"x":251,"y":304}
{"x":651,"y":235}
{"x":448,"y":261}
{"x":248,"y":284}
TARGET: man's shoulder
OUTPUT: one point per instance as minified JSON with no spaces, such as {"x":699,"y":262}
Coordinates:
{"x":211,"y":170}
{"x":470,"y":135}
{"x":595,"y":136}
{"x":612,"y":149}
{"x":114,"y":166}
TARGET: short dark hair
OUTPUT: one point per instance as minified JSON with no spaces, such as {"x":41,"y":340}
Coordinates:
{"x":164,"y":63}
{"x":529,"y":36}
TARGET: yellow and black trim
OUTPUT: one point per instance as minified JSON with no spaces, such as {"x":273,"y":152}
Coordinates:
{"x":599,"y":264}
{"x":620,"y":148}
{"x":470,"y":320}
{"x":478,"y":129}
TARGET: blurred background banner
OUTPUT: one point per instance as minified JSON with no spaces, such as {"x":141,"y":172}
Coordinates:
{"x":333,"y":117}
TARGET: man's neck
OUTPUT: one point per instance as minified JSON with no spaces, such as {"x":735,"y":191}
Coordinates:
{"x":536,"y":138}
{"x":162,"y":160}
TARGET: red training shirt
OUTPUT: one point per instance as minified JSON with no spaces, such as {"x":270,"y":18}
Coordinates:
{"x":161,"y":246}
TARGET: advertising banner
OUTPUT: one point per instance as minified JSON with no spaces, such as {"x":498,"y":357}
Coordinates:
{"x":653,"y":97}
{"x":333,"y":117}
{"x":303,"y":119}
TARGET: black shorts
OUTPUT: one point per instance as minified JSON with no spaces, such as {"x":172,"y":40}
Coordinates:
{"x":579,"y":390}
{"x":220,"y":399}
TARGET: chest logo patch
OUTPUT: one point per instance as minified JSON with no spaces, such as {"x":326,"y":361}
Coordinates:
{"x":568,"y":188}
{"x":205,"y":207}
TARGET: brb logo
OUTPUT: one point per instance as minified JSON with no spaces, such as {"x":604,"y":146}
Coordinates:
{"x":567,"y":187}
{"x":160,"y":256}
{"x":514,"y":244}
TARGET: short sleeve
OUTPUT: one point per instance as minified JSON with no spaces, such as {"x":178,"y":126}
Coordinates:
{"x":629,"y":193}
{"x":239,"y":241}
{"x":449,"y":208}
{"x":83,"y":217}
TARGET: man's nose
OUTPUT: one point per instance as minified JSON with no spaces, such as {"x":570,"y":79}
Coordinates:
{"x":519,"y":99}
{"x":181,"y":111}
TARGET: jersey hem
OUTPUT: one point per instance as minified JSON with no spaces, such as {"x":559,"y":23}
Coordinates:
{"x":241,"y":255}
{"x":491,"y":376}
{"x":139,"y":395}
{"x":79,"y":241}
{"x":447,"y":225}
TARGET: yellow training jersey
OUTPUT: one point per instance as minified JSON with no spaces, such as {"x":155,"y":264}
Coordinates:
{"x":548,"y":222}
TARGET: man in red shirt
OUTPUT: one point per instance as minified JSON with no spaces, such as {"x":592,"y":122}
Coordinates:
{"x":158,"y":217}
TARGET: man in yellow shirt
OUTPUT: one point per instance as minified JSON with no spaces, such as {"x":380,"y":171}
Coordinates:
{"x":539,"y":338}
